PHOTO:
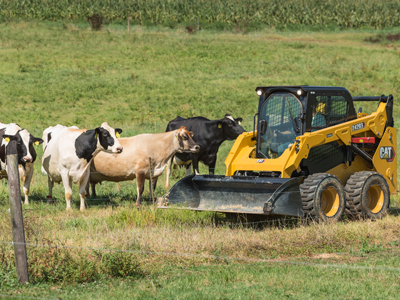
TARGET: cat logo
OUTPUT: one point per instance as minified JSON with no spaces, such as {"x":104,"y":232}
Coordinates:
{"x":387,"y":153}
{"x":358,"y":126}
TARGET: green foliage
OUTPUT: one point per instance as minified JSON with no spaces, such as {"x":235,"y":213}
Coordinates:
{"x":57,"y":265}
{"x":8,"y":275}
{"x":63,"y":265}
{"x":368,"y":248}
{"x":219,"y":14}
{"x":151,"y":216}
{"x":119,"y":264}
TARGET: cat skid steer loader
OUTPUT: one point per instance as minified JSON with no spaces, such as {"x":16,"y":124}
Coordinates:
{"x":309,"y":155}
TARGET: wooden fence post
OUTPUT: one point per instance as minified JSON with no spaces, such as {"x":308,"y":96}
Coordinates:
{"x":17,"y":221}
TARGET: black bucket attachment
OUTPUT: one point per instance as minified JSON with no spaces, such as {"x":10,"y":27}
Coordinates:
{"x":236,"y":194}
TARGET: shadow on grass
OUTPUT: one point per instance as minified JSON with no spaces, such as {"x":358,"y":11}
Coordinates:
{"x":394,"y":211}
{"x":259,"y":222}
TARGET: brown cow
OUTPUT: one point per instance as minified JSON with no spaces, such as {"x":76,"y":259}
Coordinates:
{"x":133,"y":162}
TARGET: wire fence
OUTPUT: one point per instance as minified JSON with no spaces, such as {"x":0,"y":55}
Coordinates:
{"x":213,"y":257}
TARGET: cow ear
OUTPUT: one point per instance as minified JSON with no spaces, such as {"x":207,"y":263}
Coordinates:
{"x":7,"y":138}
{"x":191,"y":133}
{"x":219,"y":124}
{"x":97,"y":132}
{"x":239,"y":120}
{"x":37,"y":141}
{"x":117,"y":132}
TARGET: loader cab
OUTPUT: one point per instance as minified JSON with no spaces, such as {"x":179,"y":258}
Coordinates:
{"x":286,"y":112}
{"x":280,"y":121}
{"x":327,"y":106}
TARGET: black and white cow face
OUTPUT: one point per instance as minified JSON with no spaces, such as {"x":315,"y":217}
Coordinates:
{"x":231,"y":127}
{"x":108,"y":138}
{"x":25,"y":141}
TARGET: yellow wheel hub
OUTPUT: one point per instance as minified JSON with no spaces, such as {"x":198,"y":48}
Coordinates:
{"x":375,"y":199}
{"x":330,"y":202}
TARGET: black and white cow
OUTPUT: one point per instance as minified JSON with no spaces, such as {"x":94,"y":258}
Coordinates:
{"x":68,"y":152}
{"x":26,"y":153}
{"x":209,"y":135}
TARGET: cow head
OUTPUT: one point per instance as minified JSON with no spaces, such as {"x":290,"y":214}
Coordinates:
{"x":25,"y":141}
{"x":108,"y":138}
{"x":186,"y":143}
{"x":230,"y":127}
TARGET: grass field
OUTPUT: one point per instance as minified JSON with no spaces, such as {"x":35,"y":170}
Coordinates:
{"x":54,"y":73}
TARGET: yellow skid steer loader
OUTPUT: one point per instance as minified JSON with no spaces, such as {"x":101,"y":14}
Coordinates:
{"x":310,"y":154}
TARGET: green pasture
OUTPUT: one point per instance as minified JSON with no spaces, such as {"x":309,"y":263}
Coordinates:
{"x":65,"y":73}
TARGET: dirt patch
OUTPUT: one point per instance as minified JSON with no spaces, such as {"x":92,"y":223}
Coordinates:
{"x":380,"y":38}
{"x":326,"y":256}
{"x":393,"y":37}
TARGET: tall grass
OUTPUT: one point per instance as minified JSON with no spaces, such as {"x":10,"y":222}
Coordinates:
{"x":220,"y":13}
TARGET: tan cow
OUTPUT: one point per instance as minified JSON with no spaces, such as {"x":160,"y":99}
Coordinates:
{"x":133,"y":162}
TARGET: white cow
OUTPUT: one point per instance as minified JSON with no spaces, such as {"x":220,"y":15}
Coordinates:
{"x":69,"y":151}
{"x":26,"y":153}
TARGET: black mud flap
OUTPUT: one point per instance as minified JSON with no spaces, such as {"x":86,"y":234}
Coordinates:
{"x":236,"y":194}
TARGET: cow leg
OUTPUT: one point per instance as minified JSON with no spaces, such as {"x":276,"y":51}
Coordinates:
{"x":93,"y":190}
{"x":87,"y":189}
{"x":169,"y":164}
{"x":28,"y":177}
{"x":82,"y":188}
{"x":188,"y":169}
{"x":154,"y":181}
{"x":140,"y":178}
{"x":67,"y":182}
{"x":211,"y":166}
{"x":50,"y":184}
{"x":195,"y":163}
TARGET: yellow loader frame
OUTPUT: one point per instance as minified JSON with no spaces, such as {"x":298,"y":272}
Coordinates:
{"x":242,"y":154}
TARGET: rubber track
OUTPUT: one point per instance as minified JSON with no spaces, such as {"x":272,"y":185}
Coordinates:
{"x":307,"y":191}
{"x":353,"y":190}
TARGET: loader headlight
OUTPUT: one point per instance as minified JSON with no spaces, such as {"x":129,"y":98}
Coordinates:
{"x":259,"y":92}
{"x":299,"y":92}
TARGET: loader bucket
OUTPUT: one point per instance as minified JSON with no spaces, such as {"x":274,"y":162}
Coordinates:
{"x":236,"y":194}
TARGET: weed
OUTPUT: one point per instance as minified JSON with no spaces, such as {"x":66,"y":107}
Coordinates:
{"x":57,"y":265}
{"x":368,"y":248}
{"x":120,"y":264}
{"x":8,"y":275}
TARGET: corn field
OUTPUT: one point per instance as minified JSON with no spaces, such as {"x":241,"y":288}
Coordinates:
{"x":267,"y":13}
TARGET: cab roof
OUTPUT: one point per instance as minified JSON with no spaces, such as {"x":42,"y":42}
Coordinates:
{"x":294,"y":88}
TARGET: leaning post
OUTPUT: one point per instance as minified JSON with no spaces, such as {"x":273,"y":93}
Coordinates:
{"x":17,"y":221}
